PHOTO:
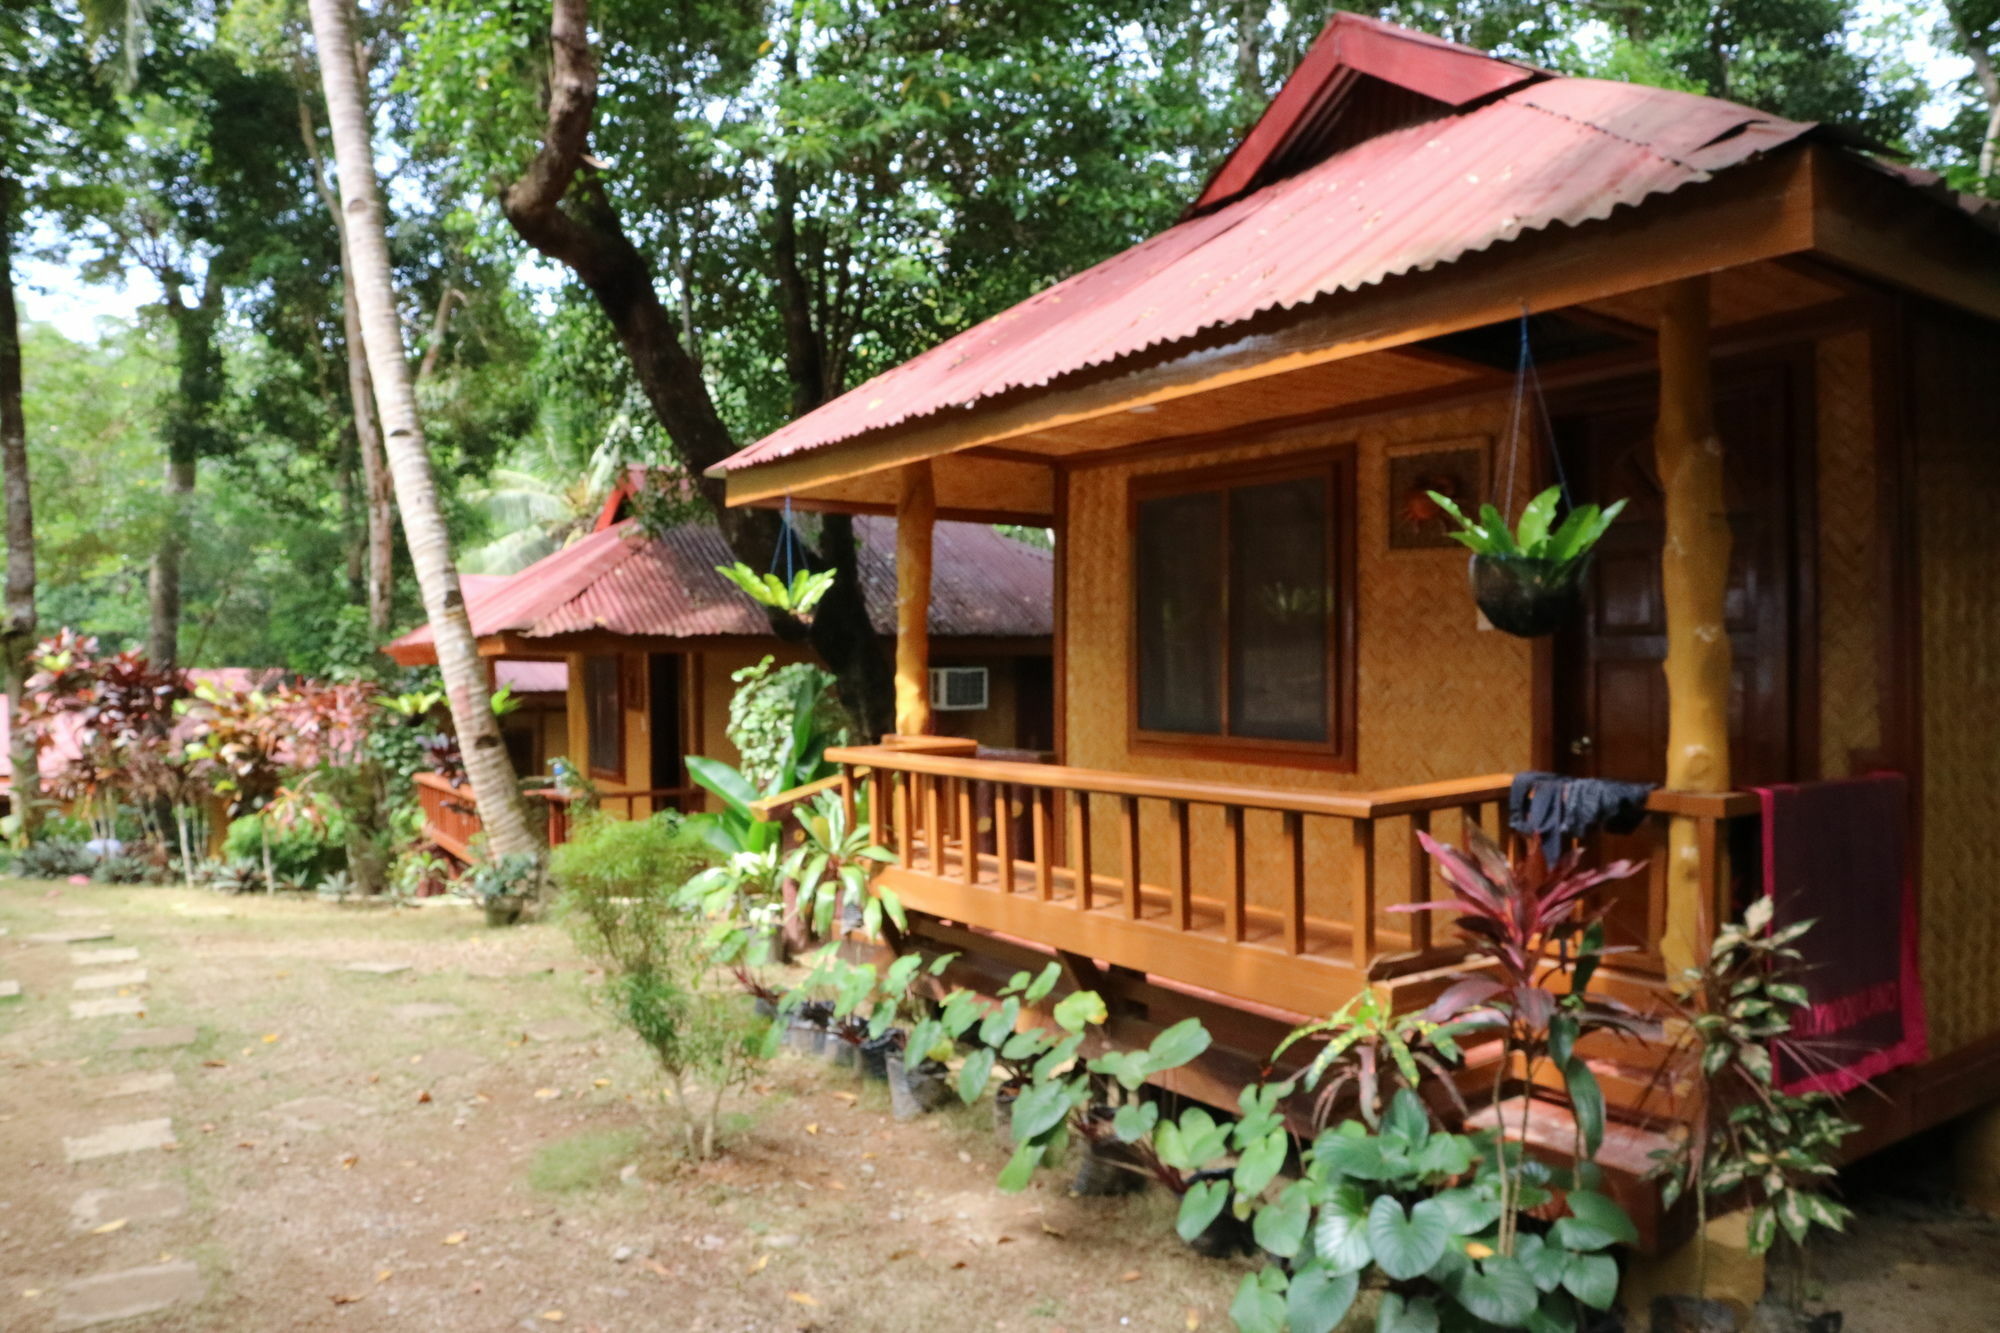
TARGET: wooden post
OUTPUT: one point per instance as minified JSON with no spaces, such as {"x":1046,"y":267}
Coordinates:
{"x":916,"y":513}
{"x":1694,"y":580}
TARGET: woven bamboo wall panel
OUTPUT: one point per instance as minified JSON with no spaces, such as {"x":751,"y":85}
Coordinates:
{"x":1953,"y":366}
{"x":1852,"y":587}
{"x":1436,"y":696}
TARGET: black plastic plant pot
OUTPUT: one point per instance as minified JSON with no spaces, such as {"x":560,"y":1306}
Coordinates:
{"x":1108,"y":1166}
{"x":805,"y":1036}
{"x":1526,"y":597}
{"x":875,"y":1054}
{"x":918,"y":1089}
{"x":1228,"y":1235}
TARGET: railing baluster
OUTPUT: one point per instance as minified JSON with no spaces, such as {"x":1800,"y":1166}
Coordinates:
{"x":1294,"y":844}
{"x":903,"y":804}
{"x":934,"y":823}
{"x":1232,"y":905}
{"x":1361,"y":863}
{"x":878,"y":806}
{"x":1044,"y":845}
{"x":968,"y":834}
{"x":1079,"y":857}
{"x":1128,"y":836}
{"x":1420,"y":881}
{"x":847,"y":796}
{"x":1183,"y":867}
{"x":1003,"y":836}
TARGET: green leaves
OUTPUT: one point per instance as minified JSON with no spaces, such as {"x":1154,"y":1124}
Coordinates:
{"x":1318,"y":1299}
{"x":1496,"y":1289}
{"x":1592,"y":1279}
{"x":1201,"y":1205}
{"x":1407,"y":1244}
{"x":1280,"y":1228}
{"x":1397,"y":1314}
{"x":975,"y":1073}
{"x":1341,"y":1237}
{"x":1260,"y":1305}
{"x":796,"y":598}
{"x":1040,"y":1108}
{"x":1077,"y":1010}
{"x":1531,"y":538}
{"x":1595,"y":1223}
{"x":1261,"y":1162}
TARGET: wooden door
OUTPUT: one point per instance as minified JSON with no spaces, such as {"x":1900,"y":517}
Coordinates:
{"x":1610,"y":704}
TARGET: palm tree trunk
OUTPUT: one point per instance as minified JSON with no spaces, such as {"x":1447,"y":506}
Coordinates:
{"x":494,"y":788}
{"x":17,"y":629}
{"x":378,"y":501}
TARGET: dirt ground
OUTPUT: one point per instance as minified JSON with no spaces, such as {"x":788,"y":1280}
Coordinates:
{"x":467,"y":1144}
{"x":356,"y":1155}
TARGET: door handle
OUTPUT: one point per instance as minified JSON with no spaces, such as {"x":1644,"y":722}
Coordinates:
{"x":1581,"y":745}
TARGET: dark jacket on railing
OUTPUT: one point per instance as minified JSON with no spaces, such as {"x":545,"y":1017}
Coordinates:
{"x":1555,"y":808}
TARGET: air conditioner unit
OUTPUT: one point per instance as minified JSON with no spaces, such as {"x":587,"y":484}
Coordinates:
{"x":958,"y":689}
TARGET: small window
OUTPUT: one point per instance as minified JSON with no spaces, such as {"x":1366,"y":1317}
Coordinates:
{"x":1242,"y":609}
{"x":961,"y":689}
{"x":604,"y":711}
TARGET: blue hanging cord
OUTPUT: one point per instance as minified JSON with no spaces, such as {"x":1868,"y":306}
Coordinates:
{"x":1526,"y":373}
{"x":787,"y":547}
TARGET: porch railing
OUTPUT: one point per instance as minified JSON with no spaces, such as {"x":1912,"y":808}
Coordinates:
{"x":1274,"y":895}
{"x":451,"y":819}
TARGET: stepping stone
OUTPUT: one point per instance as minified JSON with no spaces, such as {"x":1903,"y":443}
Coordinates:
{"x":117,"y":1140}
{"x":415,"y":1012}
{"x":311,"y":1113}
{"x":127,"y":1294}
{"x":142,"y":1203}
{"x":110,"y":1006}
{"x":560,"y":1029}
{"x":130,"y":976}
{"x":137,"y":1085}
{"x":377,"y":969}
{"x":10,"y":990}
{"x":70,"y":936}
{"x":155,"y":1039}
{"x":97,"y":957}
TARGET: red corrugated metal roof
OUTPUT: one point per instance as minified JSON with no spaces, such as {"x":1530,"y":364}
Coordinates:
{"x":1557,"y":150}
{"x":983,"y":584}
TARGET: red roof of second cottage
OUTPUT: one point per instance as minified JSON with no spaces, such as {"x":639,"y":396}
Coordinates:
{"x":1389,"y":152}
{"x":617,"y":580}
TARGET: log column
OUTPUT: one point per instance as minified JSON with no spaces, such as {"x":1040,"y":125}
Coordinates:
{"x":1694,"y":579}
{"x":916,"y":514}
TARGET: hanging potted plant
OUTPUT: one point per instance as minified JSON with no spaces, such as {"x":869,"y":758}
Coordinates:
{"x":1529,"y":581}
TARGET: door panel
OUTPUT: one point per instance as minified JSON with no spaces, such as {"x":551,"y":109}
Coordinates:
{"x":1610,"y":706}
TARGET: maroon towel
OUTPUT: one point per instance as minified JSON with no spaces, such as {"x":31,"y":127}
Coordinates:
{"x":1837,"y":853}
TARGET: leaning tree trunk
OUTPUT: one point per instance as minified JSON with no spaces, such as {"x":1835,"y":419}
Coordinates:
{"x":560,"y":207}
{"x":17,"y":628}
{"x":494,"y":788}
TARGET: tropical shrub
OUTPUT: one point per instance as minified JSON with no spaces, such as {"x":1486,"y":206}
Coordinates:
{"x":53,"y":858}
{"x":772,"y":707}
{"x":1749,"y":1140}
{"x":1414,"y":1213}
{"x":619,"y":883}
{"x":302,"y":852}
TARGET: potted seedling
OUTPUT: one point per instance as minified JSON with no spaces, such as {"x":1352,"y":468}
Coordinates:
{"x":1529,"y":581}
{"x":503,"y":885}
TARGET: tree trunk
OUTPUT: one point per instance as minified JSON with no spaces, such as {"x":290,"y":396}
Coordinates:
{"x":378,"y":501}
{"x":189,"y":430}
{"x":1249,"y":50}
{"x":494,"y":787}
{"x":17,"y":622}
{"x":1988,"y":77}
{"x":1694,"y":583}
{"x":560,"y":208}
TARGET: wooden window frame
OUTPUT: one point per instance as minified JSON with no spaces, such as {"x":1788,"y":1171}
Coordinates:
{"x":617,"y":661}
{"x":1336,"y":754}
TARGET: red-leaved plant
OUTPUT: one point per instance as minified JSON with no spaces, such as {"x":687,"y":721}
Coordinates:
{"x":1543,"y":928}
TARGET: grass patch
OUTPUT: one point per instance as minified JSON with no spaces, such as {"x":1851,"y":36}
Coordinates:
{"x":586,"y":1161}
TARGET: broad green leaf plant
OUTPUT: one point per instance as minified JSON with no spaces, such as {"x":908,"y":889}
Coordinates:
{"x":797,"y":598}
{"x":1536,"y":536}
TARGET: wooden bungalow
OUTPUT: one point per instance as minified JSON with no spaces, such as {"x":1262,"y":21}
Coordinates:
{"x":1777,"y":344}
{"x":645,"y":637}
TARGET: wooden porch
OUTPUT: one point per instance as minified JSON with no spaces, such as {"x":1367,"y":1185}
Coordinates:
{"x":1019,"y":850}
{"x":452,"y":821}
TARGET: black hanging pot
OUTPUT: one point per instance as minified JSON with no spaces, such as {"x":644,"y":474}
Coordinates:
{"x":1525,"y":596}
